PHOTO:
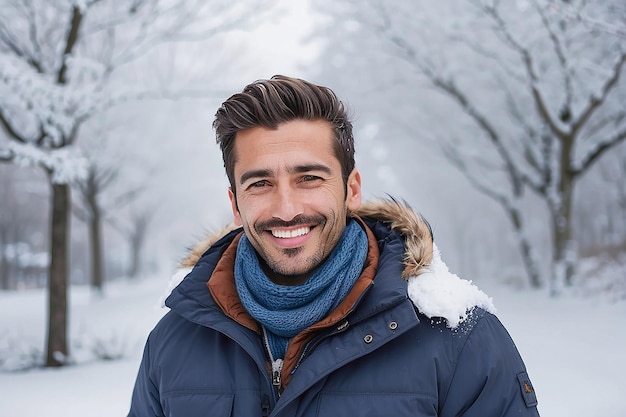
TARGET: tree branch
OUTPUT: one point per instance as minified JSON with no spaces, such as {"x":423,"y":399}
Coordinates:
{"x":600,"y":124}
{"x":34,"y":40}
{"x":145,"y":40}
{"x":70,"y":43}
{"x":596,"y":102}
{"x":598,"y":151}
{"x":11,"y":132}
{"x":452,"y":155}
{"x":527,"y":60}
{"x":558,"y":49}
{"x":594,"y":24}
{"x":13,"y":44}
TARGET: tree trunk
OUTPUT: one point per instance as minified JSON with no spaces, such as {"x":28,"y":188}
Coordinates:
{"x":137,"y":239}
{"x":530,"y":262}
{"x":5,"y":282}
{"x":564,"y":255}
{"x":5,"y":276}
{"x":95,"y":235}
{"x":57,"y":346}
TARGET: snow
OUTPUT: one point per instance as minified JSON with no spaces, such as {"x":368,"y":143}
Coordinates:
{"x":67,"y":165}
{"x":573,"y":347}
{"x":438,"y":293}
{"x":176,"y":279}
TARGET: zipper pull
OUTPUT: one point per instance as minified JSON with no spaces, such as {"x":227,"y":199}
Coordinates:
{"x":277,"y":367}
{"x":276,"y":378}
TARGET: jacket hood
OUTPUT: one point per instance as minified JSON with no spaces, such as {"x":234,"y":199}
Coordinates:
{"x":433,"y":289}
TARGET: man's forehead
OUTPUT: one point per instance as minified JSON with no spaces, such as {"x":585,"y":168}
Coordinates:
{"x":288,"y":141}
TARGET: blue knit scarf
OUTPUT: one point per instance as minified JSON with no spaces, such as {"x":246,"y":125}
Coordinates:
{"x":285,"y":310}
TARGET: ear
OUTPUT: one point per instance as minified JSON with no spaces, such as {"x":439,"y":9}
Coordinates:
{"x":353,"y":186}
{"x":233,"y":204}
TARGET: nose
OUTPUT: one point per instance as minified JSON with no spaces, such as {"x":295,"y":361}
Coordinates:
{"x":287,"y":203}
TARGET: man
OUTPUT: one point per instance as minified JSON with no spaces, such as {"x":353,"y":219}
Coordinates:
{"x":316,"y":305}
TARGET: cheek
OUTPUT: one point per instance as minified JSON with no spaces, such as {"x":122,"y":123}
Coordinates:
{"x":247,"y":213}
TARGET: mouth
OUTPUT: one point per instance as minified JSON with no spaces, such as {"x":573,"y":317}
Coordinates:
{"x":290,"y":234}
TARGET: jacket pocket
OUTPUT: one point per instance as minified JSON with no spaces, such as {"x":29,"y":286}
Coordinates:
{"x":375,"y":404}
{"x":198,"y":404}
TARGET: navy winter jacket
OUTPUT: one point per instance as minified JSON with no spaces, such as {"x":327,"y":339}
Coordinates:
{"x":386,"y":359}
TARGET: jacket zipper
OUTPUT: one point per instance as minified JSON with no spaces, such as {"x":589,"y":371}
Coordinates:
{"x":266,"y":401}
{"x":277,"y":365}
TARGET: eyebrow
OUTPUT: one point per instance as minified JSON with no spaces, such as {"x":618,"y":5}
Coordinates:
{"x":298,"y":169}
{"x":257,"y":173}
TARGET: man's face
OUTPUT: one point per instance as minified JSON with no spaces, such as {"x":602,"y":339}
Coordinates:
{"x":290,"y":196}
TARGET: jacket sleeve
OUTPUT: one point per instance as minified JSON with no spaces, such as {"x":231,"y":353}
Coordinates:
{"x":145,"y":401}
{"x":490,"y":378}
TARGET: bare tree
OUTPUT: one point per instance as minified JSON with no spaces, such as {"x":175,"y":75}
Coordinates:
{"x":536,"y":99}
{"x":90,"y":189}
{"x":60,"y":62}
{"x":135,"y":231}
{"x":94,"y":212}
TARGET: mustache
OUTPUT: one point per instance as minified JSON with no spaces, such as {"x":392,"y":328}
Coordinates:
{"x":296,"y":221}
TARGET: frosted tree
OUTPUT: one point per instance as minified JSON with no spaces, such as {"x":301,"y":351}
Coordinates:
{"x":61,"y":63}
{"x":94,"y":209}
{"x":529,"y":99}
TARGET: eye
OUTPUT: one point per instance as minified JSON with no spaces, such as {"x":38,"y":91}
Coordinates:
{"x":307,"y":178}
{"x":258,"y":184}
{"x":310,"y":181}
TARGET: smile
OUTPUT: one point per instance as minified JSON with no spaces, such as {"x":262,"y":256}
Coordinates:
{"x":287,"y":234}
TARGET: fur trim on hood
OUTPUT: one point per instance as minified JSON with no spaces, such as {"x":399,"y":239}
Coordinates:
{"x":435,"y":291}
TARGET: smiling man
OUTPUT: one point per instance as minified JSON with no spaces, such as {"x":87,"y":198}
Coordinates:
{"x":289,"y":195}
{"x":313,"y":304}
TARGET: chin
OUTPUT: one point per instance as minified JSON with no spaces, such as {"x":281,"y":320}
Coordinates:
{"x":292,"y":272}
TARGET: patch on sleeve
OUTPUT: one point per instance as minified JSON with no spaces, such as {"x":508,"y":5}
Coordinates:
{"x":528,"y":392}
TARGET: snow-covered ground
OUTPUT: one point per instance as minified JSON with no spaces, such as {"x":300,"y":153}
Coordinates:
{"x":573,"y":347}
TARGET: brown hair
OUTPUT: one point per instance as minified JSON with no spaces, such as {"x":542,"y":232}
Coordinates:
{"x":268,"y":103}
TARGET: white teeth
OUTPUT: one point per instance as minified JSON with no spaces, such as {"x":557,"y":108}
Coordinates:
{"x":285,"y":234}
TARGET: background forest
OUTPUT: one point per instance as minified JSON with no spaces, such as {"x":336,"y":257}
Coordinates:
{"x":503,"y":122}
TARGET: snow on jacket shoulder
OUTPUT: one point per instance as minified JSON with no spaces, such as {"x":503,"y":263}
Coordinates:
{"x":409,"y":348}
